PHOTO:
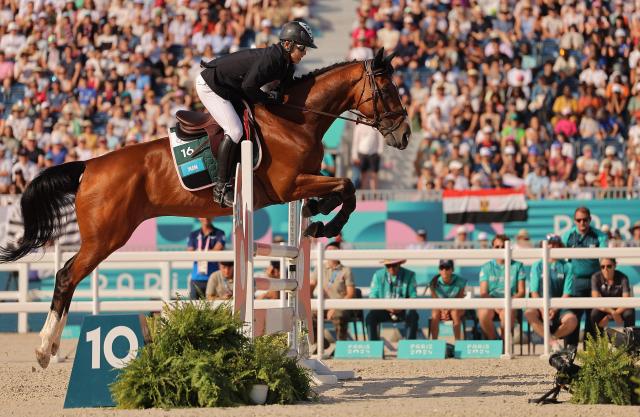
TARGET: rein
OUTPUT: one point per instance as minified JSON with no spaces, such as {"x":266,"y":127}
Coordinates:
{"x":360,"y":118}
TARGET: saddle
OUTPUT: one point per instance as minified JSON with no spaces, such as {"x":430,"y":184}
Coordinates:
{"x":194,"y":125}
{"x":194,"y":143}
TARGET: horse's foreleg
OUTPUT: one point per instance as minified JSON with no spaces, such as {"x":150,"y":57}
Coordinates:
{"x":332,"y":192}
{"x":322,"y":206}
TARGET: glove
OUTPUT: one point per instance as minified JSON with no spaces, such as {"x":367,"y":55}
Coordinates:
{"x":276,"y":97}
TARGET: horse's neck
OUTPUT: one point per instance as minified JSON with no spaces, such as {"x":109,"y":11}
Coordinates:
{"x":333,"y":92}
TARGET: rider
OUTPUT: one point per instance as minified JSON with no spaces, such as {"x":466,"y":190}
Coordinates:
{"x":241,"y":75}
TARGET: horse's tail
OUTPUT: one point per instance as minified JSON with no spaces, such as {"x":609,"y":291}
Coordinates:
{"x":42,"y":205}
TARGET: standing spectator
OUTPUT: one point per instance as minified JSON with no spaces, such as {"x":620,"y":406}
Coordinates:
{"x":338,"y":284}
{"x":366,"y":149}
{"x":609,"y":282}
{"x":492,"y":286}
{"x":393,"y":281}
{"x":206,"y":238}
{"x":583,"y":235}
{"x":563,"y":322}
{"x":220,"y":283}
{"x":446,"y":284}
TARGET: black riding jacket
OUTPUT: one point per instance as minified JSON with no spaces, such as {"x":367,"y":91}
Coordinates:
{"x":242,"y":73}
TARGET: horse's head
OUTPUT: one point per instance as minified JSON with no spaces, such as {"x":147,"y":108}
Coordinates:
{"x":380,"y":102}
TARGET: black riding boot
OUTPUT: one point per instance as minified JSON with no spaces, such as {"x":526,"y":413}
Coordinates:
{"x":223,"y":189}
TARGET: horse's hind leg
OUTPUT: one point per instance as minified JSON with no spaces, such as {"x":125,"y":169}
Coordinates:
{"x":93,"y":250}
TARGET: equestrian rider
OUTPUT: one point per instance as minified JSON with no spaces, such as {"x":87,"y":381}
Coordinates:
{"x":242,"y":75}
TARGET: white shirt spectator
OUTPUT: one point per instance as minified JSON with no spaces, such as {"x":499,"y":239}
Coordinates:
{"x":360,"y":53}
{"x":12,"y":43}
{"x":179,"y":31}
{"x":446,"y":103}
{"x":6,"y":167}
{"x":29,"y":170}
{"x":366,"y":141}
{"x":518,"y":77}
{"x":200,"y":41}
{"x":634,"y":135}
{"x":595,"y":77}
{"x":634,"y":57}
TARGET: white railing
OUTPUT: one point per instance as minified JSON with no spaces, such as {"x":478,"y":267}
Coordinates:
{"x":19,"y":301}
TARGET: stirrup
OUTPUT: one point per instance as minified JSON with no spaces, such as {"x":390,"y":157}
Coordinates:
{"x":219,"y":197}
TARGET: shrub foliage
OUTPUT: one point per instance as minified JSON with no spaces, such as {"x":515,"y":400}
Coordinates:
{"x":606,"y":374}
{"x":199,"y":357}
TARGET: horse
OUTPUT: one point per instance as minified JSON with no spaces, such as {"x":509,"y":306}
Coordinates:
{"x":117,"y":191}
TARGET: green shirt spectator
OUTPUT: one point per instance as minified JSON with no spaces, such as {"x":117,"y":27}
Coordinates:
{"x":450,"y":290}
{"x":403,"y":285}
{"x":493,"y":273}
{"x":560,"y":278}
{"x":593,"y":238}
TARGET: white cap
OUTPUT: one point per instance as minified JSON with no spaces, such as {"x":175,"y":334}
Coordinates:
{"x":12,"y":26}
{"x":605,"y":228}
{"x":484,"y":151}
{"x":483,"y":236}
{"x":455,"y":164}
{"x":509,"y":150}
{"x":620,"y":33}
{"x":266,"y":23}
{"x":610,"y":150}
{"x":461,"y":229}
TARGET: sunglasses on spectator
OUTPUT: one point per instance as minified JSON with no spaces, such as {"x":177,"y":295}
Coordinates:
{"x":446,"y":268}
{"x":582,"y":220}
{"x":607,"y":266}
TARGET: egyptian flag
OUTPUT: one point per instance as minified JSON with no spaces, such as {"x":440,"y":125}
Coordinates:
{"x":499,"y":205}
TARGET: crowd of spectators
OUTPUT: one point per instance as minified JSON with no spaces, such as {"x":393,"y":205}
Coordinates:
{"x":81,"y":78}
{"x":543,"y":94}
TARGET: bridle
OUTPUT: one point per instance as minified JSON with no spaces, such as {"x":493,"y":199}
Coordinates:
{"x":370,"y":75}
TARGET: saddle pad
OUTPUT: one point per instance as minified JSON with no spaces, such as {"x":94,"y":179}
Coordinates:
{"x":193,"y":171}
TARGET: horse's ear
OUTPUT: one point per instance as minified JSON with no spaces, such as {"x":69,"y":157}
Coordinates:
{"x":379,"y":58}
{"x":388,"y":59}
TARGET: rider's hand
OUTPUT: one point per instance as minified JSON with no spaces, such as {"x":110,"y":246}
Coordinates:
{"x":276,"y":97}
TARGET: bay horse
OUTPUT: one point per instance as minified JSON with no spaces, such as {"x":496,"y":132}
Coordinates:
{"x":117,"y":191}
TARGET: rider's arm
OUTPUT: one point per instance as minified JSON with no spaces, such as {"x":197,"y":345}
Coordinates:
{"x":266,"y":69}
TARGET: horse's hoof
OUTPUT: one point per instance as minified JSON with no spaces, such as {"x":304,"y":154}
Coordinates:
{"x":310,"y":208}
{"x":42,"y":358}
{"x":315,"y":229}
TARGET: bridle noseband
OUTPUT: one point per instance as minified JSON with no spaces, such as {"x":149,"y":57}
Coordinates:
{"x":370,"y":74}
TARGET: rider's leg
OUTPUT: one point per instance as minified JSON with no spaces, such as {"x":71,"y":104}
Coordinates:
{"x":224,"y":113}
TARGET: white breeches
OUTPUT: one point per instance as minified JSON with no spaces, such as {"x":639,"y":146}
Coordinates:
{"x":220,"y":109}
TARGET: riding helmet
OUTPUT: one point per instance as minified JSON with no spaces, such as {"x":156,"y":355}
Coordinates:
{"x":298,"y":32}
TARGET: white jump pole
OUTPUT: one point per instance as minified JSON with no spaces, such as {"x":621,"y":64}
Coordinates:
{"x":507,"y":301}
{"x":246,"y":164}
{"x":546,"y":299}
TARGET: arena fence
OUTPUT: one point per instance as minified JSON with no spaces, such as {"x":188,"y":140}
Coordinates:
{"x":19,"y":301}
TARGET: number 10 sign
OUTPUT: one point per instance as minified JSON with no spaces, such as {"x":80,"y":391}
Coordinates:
{"x":106,"y":344}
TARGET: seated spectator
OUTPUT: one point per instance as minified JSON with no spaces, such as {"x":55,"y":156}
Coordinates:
{"x":421,"y":241}
{"x":610,"y":282}
{"x":337,"y":284}
{"x":393,"y":281}
{"x":272,"y":271}
{"x":220,"y":283}
{"x":562,"y":322}
{"x":492,"y":286}
{"x":537,"y":182}
{"x":446,"y":284}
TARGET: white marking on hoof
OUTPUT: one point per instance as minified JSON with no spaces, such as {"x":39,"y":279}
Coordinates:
{"x":48,"y":333}
{"x":43,"y":358}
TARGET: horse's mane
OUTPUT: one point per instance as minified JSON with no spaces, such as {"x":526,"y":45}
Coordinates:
{"x":320,"y":71}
